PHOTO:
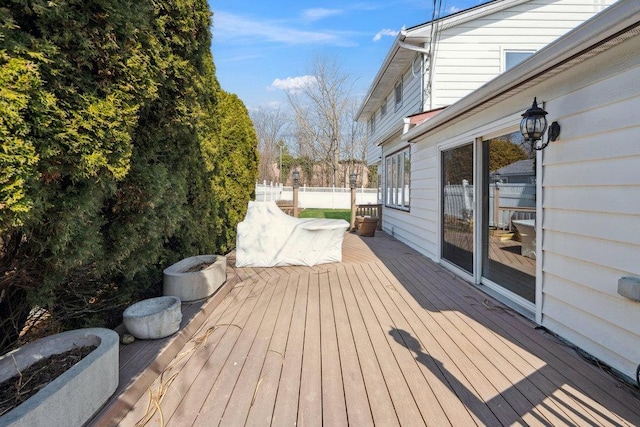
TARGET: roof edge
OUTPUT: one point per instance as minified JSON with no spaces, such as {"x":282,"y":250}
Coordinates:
{"x":447,"y":21}
{"x":615,"y":19}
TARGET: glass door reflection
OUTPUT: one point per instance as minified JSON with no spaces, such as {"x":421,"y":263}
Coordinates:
{"x":457,"y":206}
{"x":509,"y":206}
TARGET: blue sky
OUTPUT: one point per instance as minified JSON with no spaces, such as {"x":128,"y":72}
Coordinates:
{"x":262,"y":47}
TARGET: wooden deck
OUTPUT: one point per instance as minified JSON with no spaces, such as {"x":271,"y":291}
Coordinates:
{"x":385,"y":338}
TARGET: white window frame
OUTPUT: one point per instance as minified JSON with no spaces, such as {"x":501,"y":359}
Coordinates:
{"x":397,"y":181}
{"x":505,"y":52}
{"x":383,"y":108}
{"x":372,"y":124}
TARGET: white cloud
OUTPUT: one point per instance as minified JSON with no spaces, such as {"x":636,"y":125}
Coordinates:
{"x":385,"y":32}
{"x":275,"y":105}
{"x":244,"y":29}
{"x":453,"y":9}
{"x":319,"y":13}
{"x":293,"y":84}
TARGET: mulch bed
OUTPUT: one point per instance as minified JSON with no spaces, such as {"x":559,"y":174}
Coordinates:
{"x":21,"y":387}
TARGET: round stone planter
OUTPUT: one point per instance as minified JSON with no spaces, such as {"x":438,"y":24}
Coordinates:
{"x":153,"y":318}
{"x":73,"y":397}
{"x":188,"y":282}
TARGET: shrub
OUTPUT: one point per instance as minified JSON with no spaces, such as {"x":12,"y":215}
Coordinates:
{"x":120,"y":155}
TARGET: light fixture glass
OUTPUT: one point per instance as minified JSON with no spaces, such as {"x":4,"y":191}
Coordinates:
{"x":296,"y":178}
{"x":533,"y":123}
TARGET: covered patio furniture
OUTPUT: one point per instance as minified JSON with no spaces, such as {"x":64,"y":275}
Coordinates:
{"x":527,"y":230}
{"x":267,"y":237}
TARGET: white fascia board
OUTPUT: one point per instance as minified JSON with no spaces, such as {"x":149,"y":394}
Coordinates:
{"x":364,"y":113}
{"x":615,"y":19}
{"x":423,"y":31}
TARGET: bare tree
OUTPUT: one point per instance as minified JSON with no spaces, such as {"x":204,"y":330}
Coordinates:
{"x":271,"y":128}
{"x":355,"y":142}
{"x":324,"y":123}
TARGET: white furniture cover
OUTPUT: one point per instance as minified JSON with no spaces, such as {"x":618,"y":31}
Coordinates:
{"x":527,"y":230}
{"x":268,"y":237}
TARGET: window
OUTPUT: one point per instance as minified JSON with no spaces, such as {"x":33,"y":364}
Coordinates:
{"x":383,"y":108}
{"x":398,"y":175}
{"x":372,"y":124}
{"x":397,"y":90}
{"x":514,"y":57}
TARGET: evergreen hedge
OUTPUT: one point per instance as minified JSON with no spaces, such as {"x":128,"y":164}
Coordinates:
{"x":120,"y":155}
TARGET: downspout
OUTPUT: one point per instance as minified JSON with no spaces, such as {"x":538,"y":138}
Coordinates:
{"x":406,"y":125}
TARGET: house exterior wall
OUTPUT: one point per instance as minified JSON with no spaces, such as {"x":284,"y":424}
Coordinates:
{"x":470,"y":54}
{"x":588,"y":198}
{"x":389,"y":127}
{"x":591,"y":203}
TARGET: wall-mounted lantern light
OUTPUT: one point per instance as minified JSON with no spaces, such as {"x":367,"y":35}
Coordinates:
{"x":296,"y":178}
{"x":534,"y":124}
{"x":352,"y":180}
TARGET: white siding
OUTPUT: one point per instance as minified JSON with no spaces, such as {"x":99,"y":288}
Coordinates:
{"x":590,"y":199}
{"x":417,"y":228}
{"x":591,"y":221}
{"x":470,"y":54}
{"x":388,"y":128}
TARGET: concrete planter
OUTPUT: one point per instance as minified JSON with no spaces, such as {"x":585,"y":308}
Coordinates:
{"x":73,"y":397}
{"x":194,"y":285}
{"x":153,"y":318}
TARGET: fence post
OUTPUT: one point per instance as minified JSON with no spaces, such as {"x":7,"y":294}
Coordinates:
{"x":496,"y":206}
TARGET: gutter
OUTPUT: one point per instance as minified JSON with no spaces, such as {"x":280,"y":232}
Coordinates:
{"x":612,"y":22}
{"x":414,"y":47}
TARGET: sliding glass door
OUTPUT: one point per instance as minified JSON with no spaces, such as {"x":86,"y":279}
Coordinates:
{"x":509,"y":212}
{"x":458,"y":207}
{"x":502,"y":252}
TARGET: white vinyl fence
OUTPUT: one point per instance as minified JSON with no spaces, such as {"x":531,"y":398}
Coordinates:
{"x":317,"y":197}
{"x":517,"y":201}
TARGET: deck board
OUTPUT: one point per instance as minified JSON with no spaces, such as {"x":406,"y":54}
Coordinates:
{"x":237,"y":408}
{"x":285,"y":411}
{"x":386,"y":337}
{"x":493,"y":367}
{"x":334,"y":410}
{"x":355,"y":392}
{"x":310,"y":399}
{"x":264,"y":396}
{"x":403,"y":401}
{"x":382,"y":409}
{"x":219,"y":394}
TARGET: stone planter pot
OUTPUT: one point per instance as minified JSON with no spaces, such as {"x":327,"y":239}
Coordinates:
{"x":153,"y":318}
{"x":194,"y":285}
{"x":73,"y":397}
{"x":368,"y":226}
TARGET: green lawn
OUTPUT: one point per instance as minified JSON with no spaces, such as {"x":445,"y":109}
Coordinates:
{"x":327,"y":213}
